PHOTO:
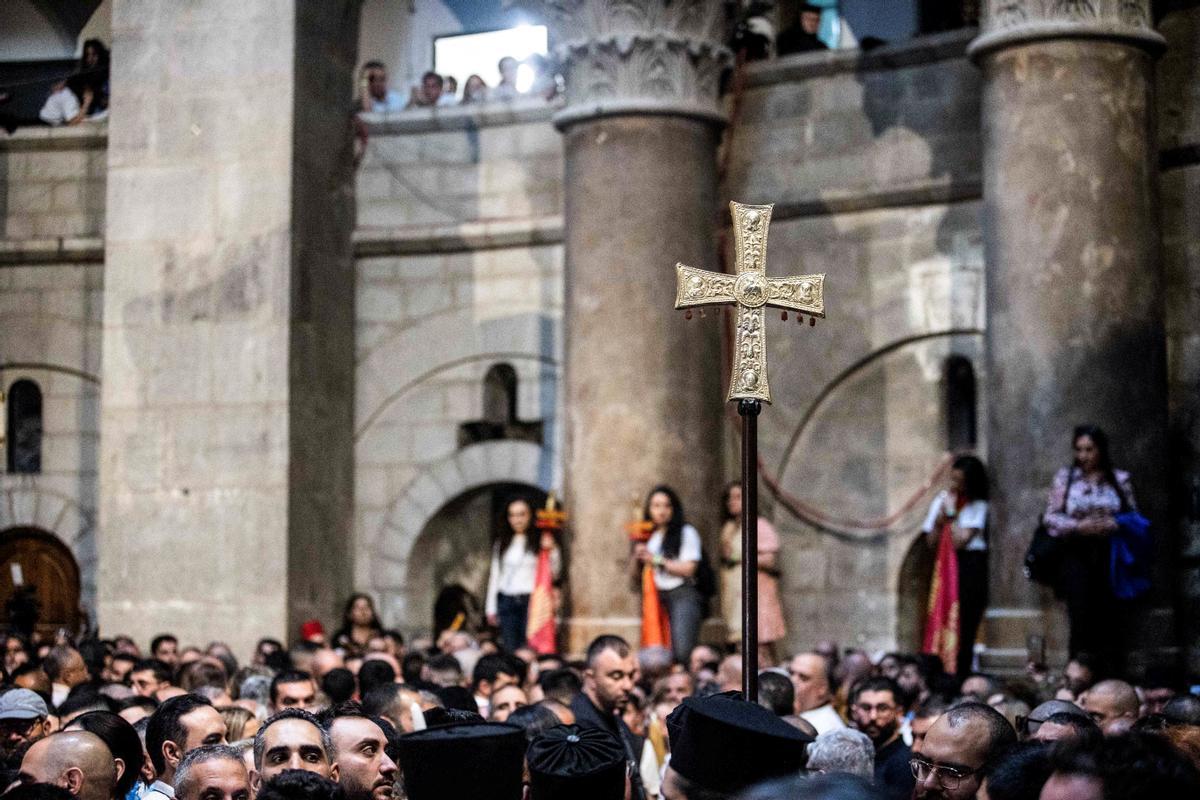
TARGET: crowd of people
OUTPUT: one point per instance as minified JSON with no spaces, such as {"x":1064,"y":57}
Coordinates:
{"x":365,"y":715}
{"x":376,"y":95}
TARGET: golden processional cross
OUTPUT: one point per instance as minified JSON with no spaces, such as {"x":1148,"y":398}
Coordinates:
{"x":752,"y":291}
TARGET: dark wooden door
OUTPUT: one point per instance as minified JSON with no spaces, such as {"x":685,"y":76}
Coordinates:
{"x":40,"y":560}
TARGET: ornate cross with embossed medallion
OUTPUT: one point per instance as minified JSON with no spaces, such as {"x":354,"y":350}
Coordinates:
{"x":752,"y":291}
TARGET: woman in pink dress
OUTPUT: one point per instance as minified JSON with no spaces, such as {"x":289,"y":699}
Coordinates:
{"x":770,"y":613}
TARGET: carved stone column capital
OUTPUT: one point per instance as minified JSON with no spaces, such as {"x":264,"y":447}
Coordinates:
{"x":637,"y":56}
{"x":1005,"y":23}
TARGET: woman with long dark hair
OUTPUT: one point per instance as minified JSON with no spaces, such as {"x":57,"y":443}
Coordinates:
{"x":94,"y":67}
{"x":673,"y":550}
{"x":359,"y":624}
{"x":960,"y":512}
{"x":515,"y":551}
{"x":1082,"y":509}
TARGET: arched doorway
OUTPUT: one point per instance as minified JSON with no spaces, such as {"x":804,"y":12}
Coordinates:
{"x":912,"y":595}
{"x":35,"y":564}
{"x":449,"y":564}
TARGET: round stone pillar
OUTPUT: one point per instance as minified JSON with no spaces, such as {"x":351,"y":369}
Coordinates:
{"x":1075,"y":308}
{"x":643,"y":398}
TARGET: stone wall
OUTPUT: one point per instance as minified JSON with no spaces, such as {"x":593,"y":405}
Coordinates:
{"x":50,"y":332}
{"x":54,"y":181}
{"x":873,"y":163}
{"x":459,"y":269}
{"x":459,"y":164}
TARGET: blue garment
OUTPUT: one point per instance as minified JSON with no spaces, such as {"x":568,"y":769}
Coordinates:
{"x":1131,"y":555}
{"x":137,"y":791}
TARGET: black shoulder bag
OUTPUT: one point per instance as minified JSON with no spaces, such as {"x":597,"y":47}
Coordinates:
{"x":1043,"y":559}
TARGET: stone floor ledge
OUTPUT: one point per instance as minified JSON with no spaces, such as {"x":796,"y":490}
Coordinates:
{"x":918,"y":50}
{"x":454,"y":238}
{"x":88,"y":136}
{"x":70,"y":250}
{"x":461,"y":117}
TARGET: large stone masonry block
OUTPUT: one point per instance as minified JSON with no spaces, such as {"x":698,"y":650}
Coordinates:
{"x":76,"y":165}
{"x":32,"y":197}
{"x":381,"y":302}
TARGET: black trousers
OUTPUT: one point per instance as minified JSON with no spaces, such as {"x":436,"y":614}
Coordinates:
{"x":972,"y":601}
{"x":1091,"y":605}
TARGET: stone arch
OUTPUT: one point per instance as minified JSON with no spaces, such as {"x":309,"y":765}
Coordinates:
{"x":452,"y":554}
{"x":35,"y":559}
{"x":26,"y":504}
{"x":439,"y":343}
{"x":494,"y":462}
{"x":912,"y":594}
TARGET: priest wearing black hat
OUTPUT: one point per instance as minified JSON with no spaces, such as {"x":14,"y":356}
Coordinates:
{"x":463,"y":761}
{"x":572,"y":763}
{"x":722,"y":744}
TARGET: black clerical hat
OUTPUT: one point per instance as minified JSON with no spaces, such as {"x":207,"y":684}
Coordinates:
{"x":724,"y":744}
{"x":572,"y":763}
{"x":467,"y":761}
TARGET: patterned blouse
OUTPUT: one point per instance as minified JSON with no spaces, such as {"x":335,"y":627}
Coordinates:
{"x":1086,"y":499}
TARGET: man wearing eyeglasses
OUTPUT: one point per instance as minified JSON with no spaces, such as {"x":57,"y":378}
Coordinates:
{"x":875,"y":712}
{"x":957,"y":749}
{"x":23,"y":721}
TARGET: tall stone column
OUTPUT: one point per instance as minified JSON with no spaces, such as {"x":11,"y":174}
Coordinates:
{"x":1074,"y":283}
{"x":643,"y":397}
{"x":228,"y":365}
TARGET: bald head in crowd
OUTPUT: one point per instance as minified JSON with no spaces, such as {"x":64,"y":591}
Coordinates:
{"x":1113,"y":705}
{"x":77,"y":761}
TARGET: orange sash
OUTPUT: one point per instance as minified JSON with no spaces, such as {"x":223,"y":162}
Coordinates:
{"x":656,"y":625}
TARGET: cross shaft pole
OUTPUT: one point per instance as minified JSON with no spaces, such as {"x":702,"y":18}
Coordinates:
{"x":749,"y":411}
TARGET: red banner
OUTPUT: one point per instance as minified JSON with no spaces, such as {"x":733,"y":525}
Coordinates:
{"x":539,"y":631}
{"x":941,"y":624}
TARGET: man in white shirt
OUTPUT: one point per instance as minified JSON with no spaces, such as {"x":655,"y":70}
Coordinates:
{"x":66,"y":670}
{"x":178,"y":726}
{"x":375,"y":96}
{"x":492,"y":672}
{"x":810,"y":677}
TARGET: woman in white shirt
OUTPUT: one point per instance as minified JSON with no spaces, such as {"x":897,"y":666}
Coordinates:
{"x":964,"y":507}
{"x":674,"y":551}
{"x":514,"y":568}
